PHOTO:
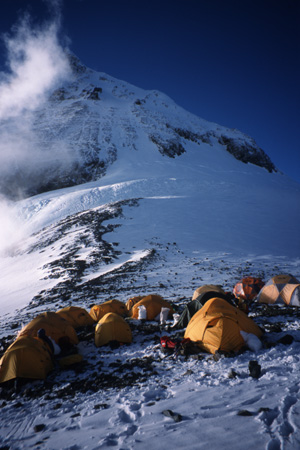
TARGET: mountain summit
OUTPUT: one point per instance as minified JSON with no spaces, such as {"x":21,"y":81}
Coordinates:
{"x":95,"y":120}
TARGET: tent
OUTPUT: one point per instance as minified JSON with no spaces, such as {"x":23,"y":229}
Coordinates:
{"x":217,"y":325}
{"x":76,"y":316}
{"x":281,"y":289}
{"x":112,"y":328}
{"x":192,"y":307}
{"x":132,"y":301}
{"x":27,"y":357}
{"x":248,"y":288}
{"x":207,"y":288}
{"x":55,"y":326}
{"x":115,"y":306}
{"x":153,"y":304}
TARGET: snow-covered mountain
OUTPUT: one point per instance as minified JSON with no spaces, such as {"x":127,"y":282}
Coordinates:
{"x":127,"y":193}
{"x":154,"y":172}
{"x":94,"y":120}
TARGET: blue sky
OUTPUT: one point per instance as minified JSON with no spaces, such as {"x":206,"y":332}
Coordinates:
{"x":233,"y":62}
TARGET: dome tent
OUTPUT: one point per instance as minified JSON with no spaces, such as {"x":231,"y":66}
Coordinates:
{"x":55,"y":326}
{"x":112,"y":328}
{"x":281,"y":289}
{"x":132,"y":301}
{"x":193,"y":306}
{"x":27,"y":357}
{"x":115,"y":306}
{"x":217,"y":326}
{"x":248,"y":288}
{"x":76,"y":316}
{"x":207,"y":288}
{"x":153,"y":304}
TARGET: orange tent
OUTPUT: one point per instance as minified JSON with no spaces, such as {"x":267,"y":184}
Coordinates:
{"x":153,"y":304}
{"x":248,"y":288}
{"x":132,"y":301}
{"x":112,"y":327}
{"x":115,"y":306}
{"x":281,"y":289}
{"x":76,"y":316}
{"x":27,"y":357}
{"x":55,"y":327}
{"x":217,"y":325}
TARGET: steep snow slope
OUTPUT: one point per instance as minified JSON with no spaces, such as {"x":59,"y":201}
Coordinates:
{"x":202,"y":202}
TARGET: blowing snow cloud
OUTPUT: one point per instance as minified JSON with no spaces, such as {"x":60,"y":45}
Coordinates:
{"x":36,"y":64}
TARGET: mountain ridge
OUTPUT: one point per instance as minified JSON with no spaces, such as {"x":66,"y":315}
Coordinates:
{"x":84,"y":126}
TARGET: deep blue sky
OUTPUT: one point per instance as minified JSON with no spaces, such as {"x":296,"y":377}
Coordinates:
{"x":233,"y":62}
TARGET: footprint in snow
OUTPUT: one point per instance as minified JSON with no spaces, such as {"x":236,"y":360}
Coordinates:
{"x":124,"y":417}
{"x":274,"y":444}
{"x":283,"y":429}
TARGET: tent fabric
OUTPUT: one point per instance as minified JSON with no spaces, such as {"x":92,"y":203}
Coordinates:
{"x":67,"y":361}
{"x":248,"y":288}
{"x":281,"y":289}
{"x":55,"y":327}
{"x":112,"y":328}
{"x":207,"y":288}
{"x":76,"y":316}
{"x":192,"y":307}
{"x":132,"y":301}
{"x":27,"y":357}
{"x":115,"y":306}
{"x":153,"y":304}
{"x":217,"y":325}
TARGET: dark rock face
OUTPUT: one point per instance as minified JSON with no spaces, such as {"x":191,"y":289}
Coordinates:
{"x":168,"y":148}
{"x":247,"y":153}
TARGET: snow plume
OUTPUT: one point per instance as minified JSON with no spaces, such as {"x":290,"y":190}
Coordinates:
{"x":36,"y":64}
{"x":11,"y":227}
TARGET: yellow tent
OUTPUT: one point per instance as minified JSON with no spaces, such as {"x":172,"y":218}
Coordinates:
{"x":55,"y":327}
{"x":27,"y":357}
{"x":153,"y":304}
{"x":281,"y":289}
{"x":76,"y":316}
{"x":115,"y":306}
{"x":217,"y":325}
{"x":207,"y":288}
{"x":112,"y":327}
{"x":132,"y":301}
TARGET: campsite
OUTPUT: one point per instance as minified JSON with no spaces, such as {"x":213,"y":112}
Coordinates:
{"x":214,"y":322}
{"x":128,"y":382}
{"x":149,"y":261}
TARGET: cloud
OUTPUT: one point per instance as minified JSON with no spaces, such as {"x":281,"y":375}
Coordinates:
{"x":36,"y":64}
{"x":11,"y":227}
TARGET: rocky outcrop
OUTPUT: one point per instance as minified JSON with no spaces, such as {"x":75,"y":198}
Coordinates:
{"x":247,"y":153}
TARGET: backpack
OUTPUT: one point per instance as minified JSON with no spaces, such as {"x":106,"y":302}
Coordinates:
{"x":168,"y":345}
